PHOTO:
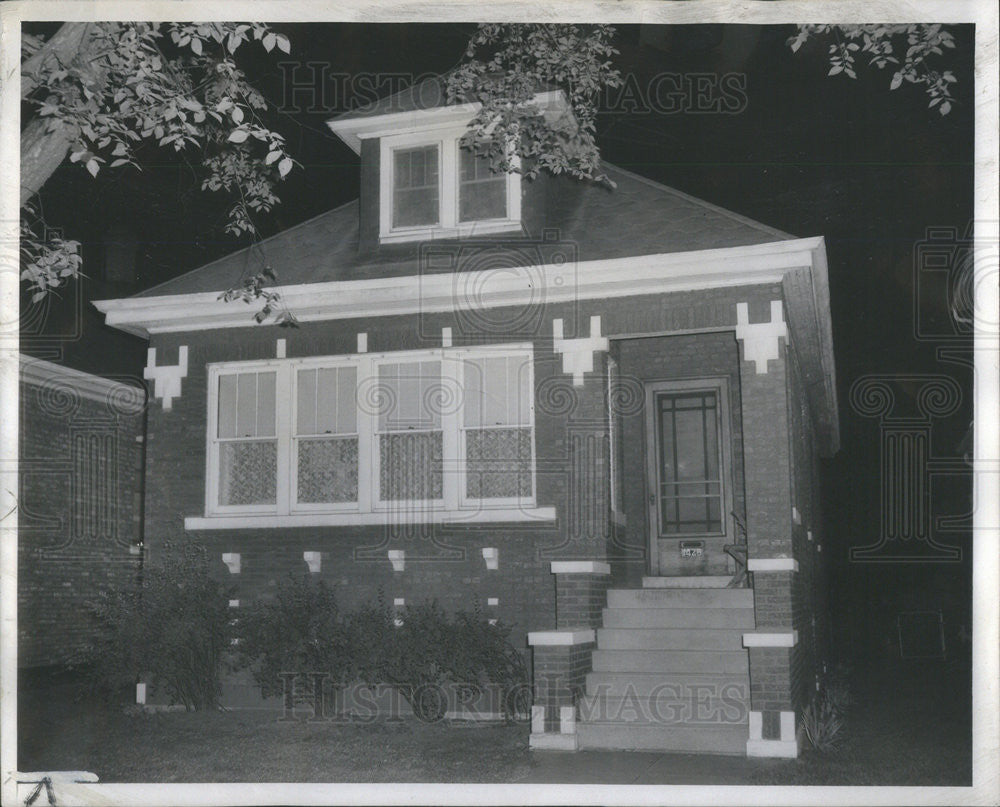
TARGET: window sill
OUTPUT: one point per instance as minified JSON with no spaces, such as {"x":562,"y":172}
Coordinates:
{"x":401,"y":516}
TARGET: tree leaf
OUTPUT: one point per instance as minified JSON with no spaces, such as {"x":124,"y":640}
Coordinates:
{"x":285,"y":166}
{"x":93,"y":167}
{"x":283,"y":44}
{"x":237,"y":115}
{"x":238,"y":136}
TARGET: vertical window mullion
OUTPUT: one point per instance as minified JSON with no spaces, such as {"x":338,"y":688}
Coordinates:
{"x":451,"y":437}
{"x":283,"y":435}
{"x":367,"y":450}
{"x":448,"y":174}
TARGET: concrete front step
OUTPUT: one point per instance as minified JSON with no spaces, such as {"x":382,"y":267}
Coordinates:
{"x":693,"y":709}
{"x":652,"y":598}
{"x":690,"y":739}
{"x":739,"y":618}
{"x":622,"y":684}
{"x":669,"y":639}
{"x":671,"y":661}
{"x":688,"y":581}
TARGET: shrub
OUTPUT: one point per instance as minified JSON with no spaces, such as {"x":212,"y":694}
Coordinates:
{"x":822,"y":724}
{"x":173,"y":627}
{"x":299,"y":630}
{"x":418,"y":651}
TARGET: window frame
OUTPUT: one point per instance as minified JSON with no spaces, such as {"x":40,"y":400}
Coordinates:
{"x":719,"y":386}
{"x":369,"y":500}
{"x":449,"y":189}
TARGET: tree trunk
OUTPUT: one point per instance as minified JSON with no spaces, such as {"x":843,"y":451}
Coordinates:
{"x":46,"y":141}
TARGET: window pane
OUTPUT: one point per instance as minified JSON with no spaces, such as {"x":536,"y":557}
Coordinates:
{"x":415,"y":187}
{"x":265,"y":404}
{"x":305,"y":421}
{"x":482,"y":194}
{"x":483,"y":200}
{"x":410,"y":466}
{"x":497,"y":392}
{"x":246,"y":405}
{"x":498,"y":463}
{"x":227,"y":406}
{"x":328,"y":470}
{"x":410,"y":396}
{"x":248,"y":472}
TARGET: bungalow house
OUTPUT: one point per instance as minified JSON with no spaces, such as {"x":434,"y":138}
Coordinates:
{"x":600,"y":412}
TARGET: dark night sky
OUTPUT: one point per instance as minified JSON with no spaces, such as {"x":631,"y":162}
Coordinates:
{"x":867,"y":168}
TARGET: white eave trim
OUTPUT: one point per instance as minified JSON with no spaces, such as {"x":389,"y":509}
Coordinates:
{"x":551,"y":283}
{"x":353,"y":130}
{"x":41,"y":373}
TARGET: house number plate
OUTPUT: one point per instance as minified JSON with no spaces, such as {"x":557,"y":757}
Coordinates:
{"x":692,"y":549}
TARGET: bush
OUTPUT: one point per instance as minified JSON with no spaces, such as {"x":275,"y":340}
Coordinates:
{"x":173,"y":627}
{"x":822,"y":724}
{"x":302,"y":630}
{"x":428,"y":649}
{"x":299,"y":630}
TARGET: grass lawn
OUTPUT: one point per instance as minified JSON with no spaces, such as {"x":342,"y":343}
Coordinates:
{"x":902,"y":730}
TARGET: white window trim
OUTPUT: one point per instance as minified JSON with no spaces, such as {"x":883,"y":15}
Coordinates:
{"x":454,"y":507}
{"x":448,"y":225}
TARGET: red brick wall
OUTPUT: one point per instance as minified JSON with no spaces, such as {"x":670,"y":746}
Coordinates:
{"x":78,"y":513}
{"x":657,"y":359}
{"x":571,"y":446}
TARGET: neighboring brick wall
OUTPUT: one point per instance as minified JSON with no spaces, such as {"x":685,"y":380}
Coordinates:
{"x":78,"y":512}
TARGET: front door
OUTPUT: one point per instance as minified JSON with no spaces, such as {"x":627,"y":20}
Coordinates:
{"x":687,"y":475}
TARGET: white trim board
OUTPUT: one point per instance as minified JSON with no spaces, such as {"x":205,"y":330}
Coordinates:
{"x":412,"y":294}
{"x":251,"y":521}
{"x":561,"y":638}
{"x":41,"y":373}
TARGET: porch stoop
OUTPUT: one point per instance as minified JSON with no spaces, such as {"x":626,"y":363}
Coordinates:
{"x":670,"y":672}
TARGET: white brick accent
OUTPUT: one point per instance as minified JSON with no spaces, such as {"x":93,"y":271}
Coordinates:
{"x":772,"y":565}
{"x":362,"y":343}
{"x":773,"y":639}
{"x":492,"y":557}
{"x":232,"y":561}
{"x":279,"y":349}
{"x":580,"y":567}
{"x":551,"y":638}
{"x":314,"y":561}
{"x":760,"y":339}
{"x":166,"y":377}
{"x":398,"y":559}
{"x":578,"y":354}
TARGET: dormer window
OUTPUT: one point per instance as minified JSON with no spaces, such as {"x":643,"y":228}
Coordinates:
{"x":432,"y":188}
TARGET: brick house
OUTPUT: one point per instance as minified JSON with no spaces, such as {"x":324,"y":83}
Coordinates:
{"x":78,"y":503}
{"x":592,"y":410}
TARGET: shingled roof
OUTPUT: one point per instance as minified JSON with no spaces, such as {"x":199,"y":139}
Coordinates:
{"x":639,"y":217}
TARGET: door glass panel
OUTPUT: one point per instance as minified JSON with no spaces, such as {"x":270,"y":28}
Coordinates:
{"x":690,"y":482}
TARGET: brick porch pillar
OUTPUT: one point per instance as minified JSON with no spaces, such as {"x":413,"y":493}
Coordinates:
{"x":562,"y":657}
{"x":767,"y":465}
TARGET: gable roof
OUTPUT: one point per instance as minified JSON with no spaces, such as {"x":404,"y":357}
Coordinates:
{"x":639,"y":217}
